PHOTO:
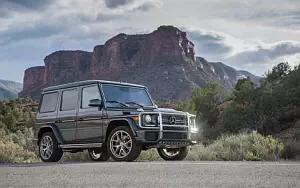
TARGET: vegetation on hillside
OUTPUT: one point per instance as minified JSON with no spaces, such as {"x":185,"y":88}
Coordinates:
{"x":270,"y":108}
{"x":16,"y":131}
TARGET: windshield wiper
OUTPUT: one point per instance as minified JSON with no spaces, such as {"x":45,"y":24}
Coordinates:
{"x":135,"y":104}
{"x":118,"y":103}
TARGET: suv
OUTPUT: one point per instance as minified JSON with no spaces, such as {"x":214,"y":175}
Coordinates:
{"x":109,"y":119}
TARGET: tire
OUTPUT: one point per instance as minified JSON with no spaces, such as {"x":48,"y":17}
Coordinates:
{"x":118,"y":149}
{"x":179,"y":155}
{"x":48,"y":148}
{"x":100,"y":154}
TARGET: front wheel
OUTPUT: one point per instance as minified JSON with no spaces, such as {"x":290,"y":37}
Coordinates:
{"x":122,"y":146}
{"x":177,"y":154}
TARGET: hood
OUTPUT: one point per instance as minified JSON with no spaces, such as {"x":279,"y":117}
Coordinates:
{"x":167,"y":110}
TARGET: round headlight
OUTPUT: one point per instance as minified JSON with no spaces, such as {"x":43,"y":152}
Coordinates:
{"x":148,"y":119}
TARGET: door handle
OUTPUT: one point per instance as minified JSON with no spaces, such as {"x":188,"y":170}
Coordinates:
{"x":80,"y":119}
{"x":58,"y":121}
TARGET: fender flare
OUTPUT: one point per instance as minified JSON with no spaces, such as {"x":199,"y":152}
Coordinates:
{"x":55,"y":131}
{"x":129,"y":121}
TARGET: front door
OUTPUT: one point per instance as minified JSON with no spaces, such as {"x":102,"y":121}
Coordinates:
{"x":66,"y":115}
{"x":89,"y":124}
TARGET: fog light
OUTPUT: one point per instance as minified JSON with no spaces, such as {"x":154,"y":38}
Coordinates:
{"x":194,"y":129}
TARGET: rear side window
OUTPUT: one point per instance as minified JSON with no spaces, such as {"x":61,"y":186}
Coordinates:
{"x":89,"y":93}
{"x":49,"y":101}
{"x":69,"y":100}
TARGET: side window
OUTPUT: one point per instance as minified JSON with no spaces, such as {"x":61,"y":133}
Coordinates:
{"x":89,"y":93}
{"x":48,"y":102}
{"x":69,"y":100}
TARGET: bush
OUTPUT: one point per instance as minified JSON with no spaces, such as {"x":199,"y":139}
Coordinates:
{"x":149,"y":155}
{"x":76,"y":157}
{"x":291,"y":149}
{"x":17,"y":147}
{"x":14,"y":153}
{"x":251,"y":146}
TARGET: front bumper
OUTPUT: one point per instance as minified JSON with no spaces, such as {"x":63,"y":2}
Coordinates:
{"x":152,"y":139}
{"x":168,"y":136}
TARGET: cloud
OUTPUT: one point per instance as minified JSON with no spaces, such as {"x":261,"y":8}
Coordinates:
{"x":133,"y":5}
{"x":264,"y":57}
{"x":28,"y":4}
{"x":210,"y":44}
{"x":266,"y":53}
{"x":117,"y":3}
{"x":148,"y":5}
{"x":242,"y":54}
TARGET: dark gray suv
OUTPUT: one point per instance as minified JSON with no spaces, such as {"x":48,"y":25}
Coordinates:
{"x":109,"y":119}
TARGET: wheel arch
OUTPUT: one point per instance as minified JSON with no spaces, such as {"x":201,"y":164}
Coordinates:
{"x":114,"y":123}
{"x":50,"y":128}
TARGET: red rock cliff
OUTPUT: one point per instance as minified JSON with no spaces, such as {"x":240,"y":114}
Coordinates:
{"x":163,"y":60}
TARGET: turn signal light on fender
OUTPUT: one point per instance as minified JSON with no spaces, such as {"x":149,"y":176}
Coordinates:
{"x":135,"y":118}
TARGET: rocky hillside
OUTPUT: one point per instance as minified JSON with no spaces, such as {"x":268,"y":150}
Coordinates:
{"x":163,"y":60}
{"x":9,"y":89}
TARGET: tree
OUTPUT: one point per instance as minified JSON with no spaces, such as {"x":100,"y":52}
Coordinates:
{"x":243,"y":91}
{"x":278,"y":72}
{"x":205,"y":102}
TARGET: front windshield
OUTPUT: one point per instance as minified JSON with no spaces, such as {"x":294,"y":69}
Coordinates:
{"x":126,"y":95}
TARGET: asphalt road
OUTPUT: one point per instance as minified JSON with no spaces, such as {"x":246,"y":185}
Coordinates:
{"x":152,"y":174}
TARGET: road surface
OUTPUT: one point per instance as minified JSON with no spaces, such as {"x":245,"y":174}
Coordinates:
{"x":152,"y":174}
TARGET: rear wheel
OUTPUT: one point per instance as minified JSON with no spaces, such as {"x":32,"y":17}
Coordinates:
{"x":122,"y":145}
{"x":100,"y":154}
{"x":177,"y":154}
{"x":48,"y":148}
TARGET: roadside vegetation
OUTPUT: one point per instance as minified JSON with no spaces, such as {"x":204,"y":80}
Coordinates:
{"x":253,"y":122}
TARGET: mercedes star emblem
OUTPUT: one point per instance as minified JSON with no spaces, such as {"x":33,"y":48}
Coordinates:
{"x":172,"y":120}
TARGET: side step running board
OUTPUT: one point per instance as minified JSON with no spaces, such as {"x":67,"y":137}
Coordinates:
{"x":91,"y":145}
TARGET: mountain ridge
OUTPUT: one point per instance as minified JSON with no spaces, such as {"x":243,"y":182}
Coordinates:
{"x":163,"y":60}
{"x":9,"y":89}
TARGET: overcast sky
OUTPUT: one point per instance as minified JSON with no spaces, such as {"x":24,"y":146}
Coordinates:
{"x":252,"y":35}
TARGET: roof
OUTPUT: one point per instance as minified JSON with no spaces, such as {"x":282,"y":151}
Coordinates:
{"x":88,"y":82}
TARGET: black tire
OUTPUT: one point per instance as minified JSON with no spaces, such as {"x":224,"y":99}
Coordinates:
{"x":56,"y":151}
{"x":183,"y":152}
{"x":103,"y":154}
{"x":135,"y":148}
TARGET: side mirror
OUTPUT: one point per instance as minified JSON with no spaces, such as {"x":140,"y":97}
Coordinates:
{"x":155,"y":106}
{"x":95,"y":103}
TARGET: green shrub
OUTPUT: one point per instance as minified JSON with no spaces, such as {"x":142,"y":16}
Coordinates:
{"x":291,"y":149}
{"x":149,"y":155}
{"x":76,"y":157}
{"x":17,"y":147}
{"x":251,"y":146}
{"x":14,"y":153}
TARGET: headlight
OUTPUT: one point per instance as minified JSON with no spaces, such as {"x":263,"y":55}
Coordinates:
{"x":148,"y":119}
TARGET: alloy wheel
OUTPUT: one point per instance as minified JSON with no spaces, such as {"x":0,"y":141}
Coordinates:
{"x":46,"y":147}
{"x":120,"y":144}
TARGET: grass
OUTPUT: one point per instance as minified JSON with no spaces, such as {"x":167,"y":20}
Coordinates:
{"x":250,"y":147}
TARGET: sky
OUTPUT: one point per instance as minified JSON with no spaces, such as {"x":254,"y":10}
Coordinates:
{"x":252,"y":35}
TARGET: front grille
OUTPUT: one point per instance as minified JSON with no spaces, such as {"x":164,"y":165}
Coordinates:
{"x":180,"y":119}
{"x":174,"y":136}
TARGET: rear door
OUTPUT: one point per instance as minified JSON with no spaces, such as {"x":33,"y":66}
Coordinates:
{"x":89,"y":125}
{"x":67,"y":114}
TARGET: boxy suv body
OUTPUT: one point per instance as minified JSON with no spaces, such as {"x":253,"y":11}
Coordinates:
{"x":109,"y":119}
